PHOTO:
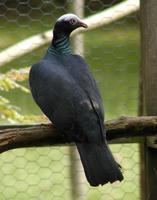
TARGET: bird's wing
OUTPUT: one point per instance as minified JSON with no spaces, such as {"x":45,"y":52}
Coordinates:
{"x":79,"y":70}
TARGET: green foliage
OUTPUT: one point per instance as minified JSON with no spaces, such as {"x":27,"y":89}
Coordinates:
{"x":10,"y":81}
{"x":8,"y":111}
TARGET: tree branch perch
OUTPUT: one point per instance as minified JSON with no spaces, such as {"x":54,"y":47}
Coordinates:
{"x":18,"y":136}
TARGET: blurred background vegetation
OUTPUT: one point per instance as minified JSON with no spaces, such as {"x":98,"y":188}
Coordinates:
{"x":112,"y":52}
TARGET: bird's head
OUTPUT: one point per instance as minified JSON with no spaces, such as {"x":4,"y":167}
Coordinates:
{"x":67,"y":23}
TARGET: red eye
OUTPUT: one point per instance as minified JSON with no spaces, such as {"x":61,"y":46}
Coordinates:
{"x":73,"y":21}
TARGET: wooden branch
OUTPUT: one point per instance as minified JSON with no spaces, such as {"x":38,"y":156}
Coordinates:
{"x":18,"y":136}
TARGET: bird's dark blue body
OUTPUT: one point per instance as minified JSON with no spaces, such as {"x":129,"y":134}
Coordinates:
{"x":60,"y":81}
{"x":66,"y":92}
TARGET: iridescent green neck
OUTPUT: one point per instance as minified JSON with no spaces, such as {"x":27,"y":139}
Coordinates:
{"x":60,"y":45}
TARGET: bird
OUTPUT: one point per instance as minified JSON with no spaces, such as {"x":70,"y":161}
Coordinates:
{"x":64,"y":88}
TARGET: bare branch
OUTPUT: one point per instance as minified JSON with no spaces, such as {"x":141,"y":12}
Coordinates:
{"x":18,"y":136}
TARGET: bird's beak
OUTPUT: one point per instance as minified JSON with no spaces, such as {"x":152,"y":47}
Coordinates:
{"x":82,"y":24}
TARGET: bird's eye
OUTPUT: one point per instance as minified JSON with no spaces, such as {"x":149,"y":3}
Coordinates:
{"x":73,"y":21}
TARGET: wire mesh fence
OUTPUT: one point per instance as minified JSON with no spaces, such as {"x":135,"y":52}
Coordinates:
{"x":112,"y":52}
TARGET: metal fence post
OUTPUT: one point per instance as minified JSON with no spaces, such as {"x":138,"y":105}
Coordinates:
{"x":149,"y":75}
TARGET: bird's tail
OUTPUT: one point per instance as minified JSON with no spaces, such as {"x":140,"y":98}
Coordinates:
{"x":99,"y":164}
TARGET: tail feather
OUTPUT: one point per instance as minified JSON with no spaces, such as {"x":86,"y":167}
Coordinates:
{"x":99,"y":164}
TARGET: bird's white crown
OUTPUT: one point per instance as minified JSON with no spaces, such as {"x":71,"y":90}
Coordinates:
{"x":68,"y":17}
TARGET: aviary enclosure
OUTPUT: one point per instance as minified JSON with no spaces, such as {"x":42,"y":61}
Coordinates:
{"x":120,"y":47}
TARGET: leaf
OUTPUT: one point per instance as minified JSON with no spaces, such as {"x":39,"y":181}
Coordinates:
{"x":18,"y":75}
{"x":8,"y":83}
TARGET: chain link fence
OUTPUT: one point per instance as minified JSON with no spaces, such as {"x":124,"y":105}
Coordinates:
{"x":112,"y":52}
